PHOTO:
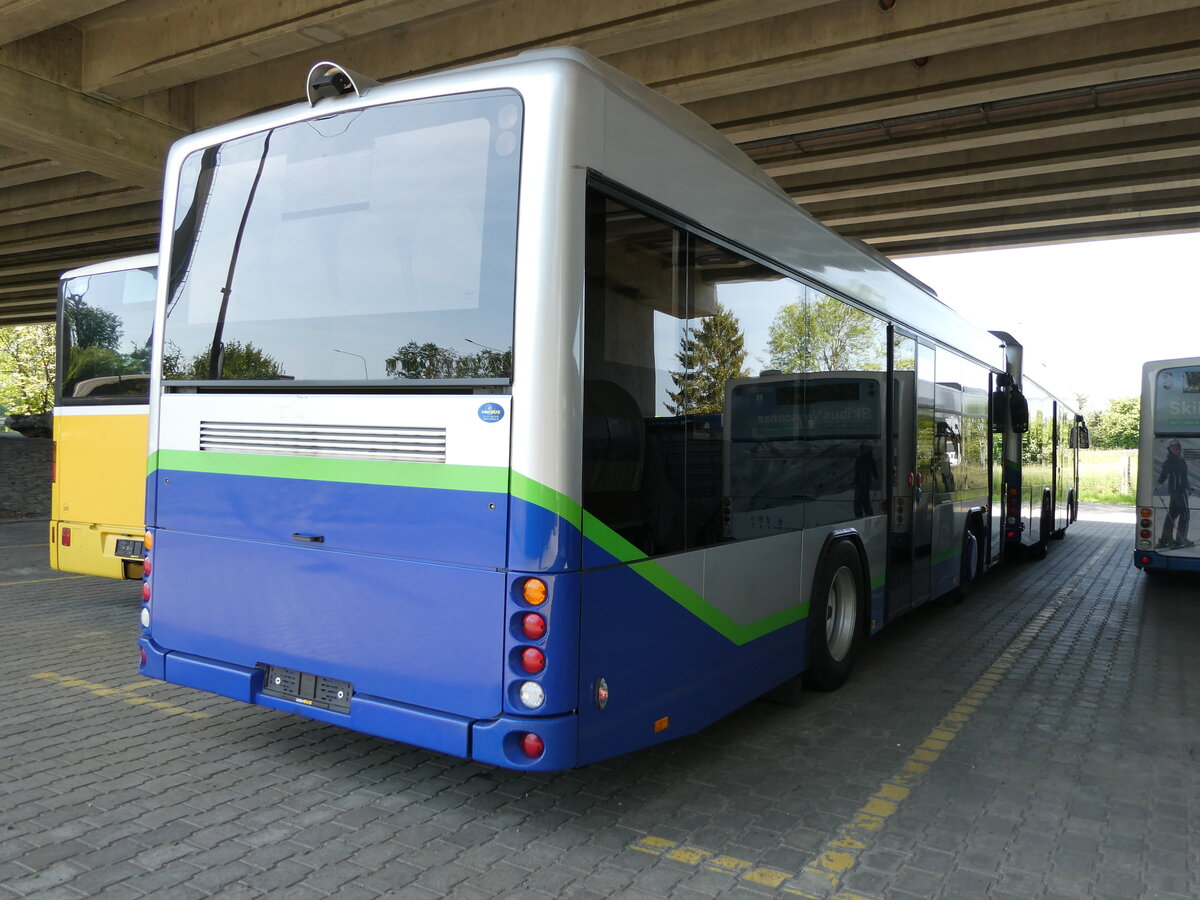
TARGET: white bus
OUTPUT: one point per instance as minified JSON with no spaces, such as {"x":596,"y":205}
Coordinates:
{"x":439,"y":429}
{"x":1168,"y":492}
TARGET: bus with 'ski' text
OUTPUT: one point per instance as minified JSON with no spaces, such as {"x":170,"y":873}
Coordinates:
{"x":98,"y":481}
{"x":1168,"y":474}
{"x":498,"y":411}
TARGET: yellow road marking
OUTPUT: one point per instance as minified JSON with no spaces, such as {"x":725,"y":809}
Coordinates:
{"x":124,"y":693}
{"x":42,"y":580}
{"x":841,"y":852}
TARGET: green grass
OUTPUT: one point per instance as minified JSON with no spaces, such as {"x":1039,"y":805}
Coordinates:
{"x":1108,"y":476}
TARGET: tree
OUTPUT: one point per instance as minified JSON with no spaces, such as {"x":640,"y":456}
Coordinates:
{"x":27,"y":368}
{"x":239,"y":362}
{"x":1116,"y":427}
{"x":824,"y":335}
{"x":430,"y":360}
{"x":91,"y":326}
{"x":709,"y":357}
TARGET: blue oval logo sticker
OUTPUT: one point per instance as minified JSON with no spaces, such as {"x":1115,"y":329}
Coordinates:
{"x":491,"y":412}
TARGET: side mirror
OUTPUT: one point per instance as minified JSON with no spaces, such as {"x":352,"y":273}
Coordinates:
{"x":1018,"y":411}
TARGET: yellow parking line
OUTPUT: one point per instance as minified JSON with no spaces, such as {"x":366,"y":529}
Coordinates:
{"x":41,"y":580}
{"x":124,"y":693}
{"x":821,"y":878}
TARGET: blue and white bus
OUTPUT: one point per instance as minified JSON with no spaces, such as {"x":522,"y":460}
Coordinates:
{"x":460,"y":431}
{"x":1168,"y":478}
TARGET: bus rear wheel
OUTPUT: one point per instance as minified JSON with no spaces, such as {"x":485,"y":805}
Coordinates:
{"x":834,"y":618}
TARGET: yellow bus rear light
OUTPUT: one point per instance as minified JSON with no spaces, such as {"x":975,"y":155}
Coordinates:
{"x":534,"y":591}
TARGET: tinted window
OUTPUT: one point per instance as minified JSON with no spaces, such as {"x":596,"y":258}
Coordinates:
{"x":722,"y":399}
{"x":377,"y":244}
{"x":105,"y":322}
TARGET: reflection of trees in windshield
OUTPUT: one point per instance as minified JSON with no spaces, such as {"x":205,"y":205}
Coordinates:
{"x":824,"y":335}
{"x":238,"y":360}
{"x":709,"y":357}
{"x":431,"y":360}
{"x":94,"y":338}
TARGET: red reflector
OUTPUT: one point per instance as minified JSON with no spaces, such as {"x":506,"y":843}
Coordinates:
{"x":533,"y":626}
{"x":66,"y":537}
{"x":532,"y":745}
{"x":1010,"y":534}
{"x":146,"y":566}
{"x":533,"y":660}
{"x":145,"y":592}
{"x":1146,"y":534}
{"x":1145,"y":560}
{"x":142,"y":651}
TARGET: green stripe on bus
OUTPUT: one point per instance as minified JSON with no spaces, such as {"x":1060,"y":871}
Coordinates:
{"x":709,"y":614}
{"x":525,"y":488}
{"x":488,"y":479}
{"x":484,"y":479}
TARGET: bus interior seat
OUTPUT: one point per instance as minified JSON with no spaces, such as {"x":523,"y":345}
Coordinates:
{"x":614,"y":439}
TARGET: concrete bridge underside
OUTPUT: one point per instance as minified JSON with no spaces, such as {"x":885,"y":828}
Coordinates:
{"x":917,"y":125}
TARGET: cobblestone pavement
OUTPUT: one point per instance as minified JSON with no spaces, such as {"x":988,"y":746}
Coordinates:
{"x":1038,"y":740}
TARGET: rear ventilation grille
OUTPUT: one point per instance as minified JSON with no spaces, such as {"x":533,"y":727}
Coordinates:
{"x":336,"y":441}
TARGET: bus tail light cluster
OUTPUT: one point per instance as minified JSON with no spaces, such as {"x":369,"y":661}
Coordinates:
{"x":1145,"y":529}
{"x":146,"y":567}
{"x":529,"y":658}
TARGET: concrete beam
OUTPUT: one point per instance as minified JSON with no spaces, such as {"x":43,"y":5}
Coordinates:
{"x":957,"y":170}
{"x":21,"y":18}
{"x":1098,"y":54}
{"x":45,"y":120}
{"x":1067,"y":191}
{"x":838,"y":38}
{"x":483,"y":31}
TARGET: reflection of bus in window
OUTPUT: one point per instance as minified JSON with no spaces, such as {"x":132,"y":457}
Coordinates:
{"x":423,"y":473}
{"x":105,"y":314}
{"x":803,"y":449}
{"x":1168,"y":479}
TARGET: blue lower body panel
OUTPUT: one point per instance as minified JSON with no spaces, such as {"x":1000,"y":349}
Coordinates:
{"x":495,"y":742}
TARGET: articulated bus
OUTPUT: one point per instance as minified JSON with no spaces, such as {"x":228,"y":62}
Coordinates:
{"x":98,"y":490}
{"x":1038,"y":466}
{"x":1168,"y":466}
{"x":514,"y":413}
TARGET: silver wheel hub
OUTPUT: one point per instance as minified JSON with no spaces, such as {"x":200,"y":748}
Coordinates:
{"x":841,"y":614}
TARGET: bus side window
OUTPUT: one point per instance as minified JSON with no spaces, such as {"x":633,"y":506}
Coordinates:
{"x":614,"y":437}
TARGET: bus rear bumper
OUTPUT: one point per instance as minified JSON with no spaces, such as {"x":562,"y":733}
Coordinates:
{"x":93,"y":549}
{"x":497,"y":742}
{"x":1159,"y":562}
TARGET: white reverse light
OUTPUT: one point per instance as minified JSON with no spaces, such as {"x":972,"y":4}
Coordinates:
{"x":532,"y":694}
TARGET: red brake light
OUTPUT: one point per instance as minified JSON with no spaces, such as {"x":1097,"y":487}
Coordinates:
{"x":145,"y":592}
{"x":66,"y":537}
{"x":533,"y":660}
{"x":145,"y":565}
{"x":533,"y":626}
{"x":532,"y":745}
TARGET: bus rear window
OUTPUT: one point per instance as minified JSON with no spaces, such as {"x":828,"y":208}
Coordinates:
{"x":372,"y":245}
{"x":1177,"y":402}
{"x":105,"y":322}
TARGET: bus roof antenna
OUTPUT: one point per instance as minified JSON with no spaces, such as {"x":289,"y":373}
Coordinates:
{"x":328,"y":79}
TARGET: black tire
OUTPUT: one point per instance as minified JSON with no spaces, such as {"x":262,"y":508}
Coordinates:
{"x":835,"y":618}
{"x":968,"y":571}
{"x":1042,"y":547}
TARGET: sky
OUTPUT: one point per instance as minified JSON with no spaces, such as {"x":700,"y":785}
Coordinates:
{"x":1091,"y":312}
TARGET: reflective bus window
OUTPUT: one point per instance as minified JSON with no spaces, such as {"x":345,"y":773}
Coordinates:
{"x":105,"y":343}
{"x":723,"y":400}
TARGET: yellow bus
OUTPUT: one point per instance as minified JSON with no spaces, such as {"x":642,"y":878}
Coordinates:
{"x":98,"y":491}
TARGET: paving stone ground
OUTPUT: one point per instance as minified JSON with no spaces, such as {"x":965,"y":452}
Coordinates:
{"x":1040,"y":740}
